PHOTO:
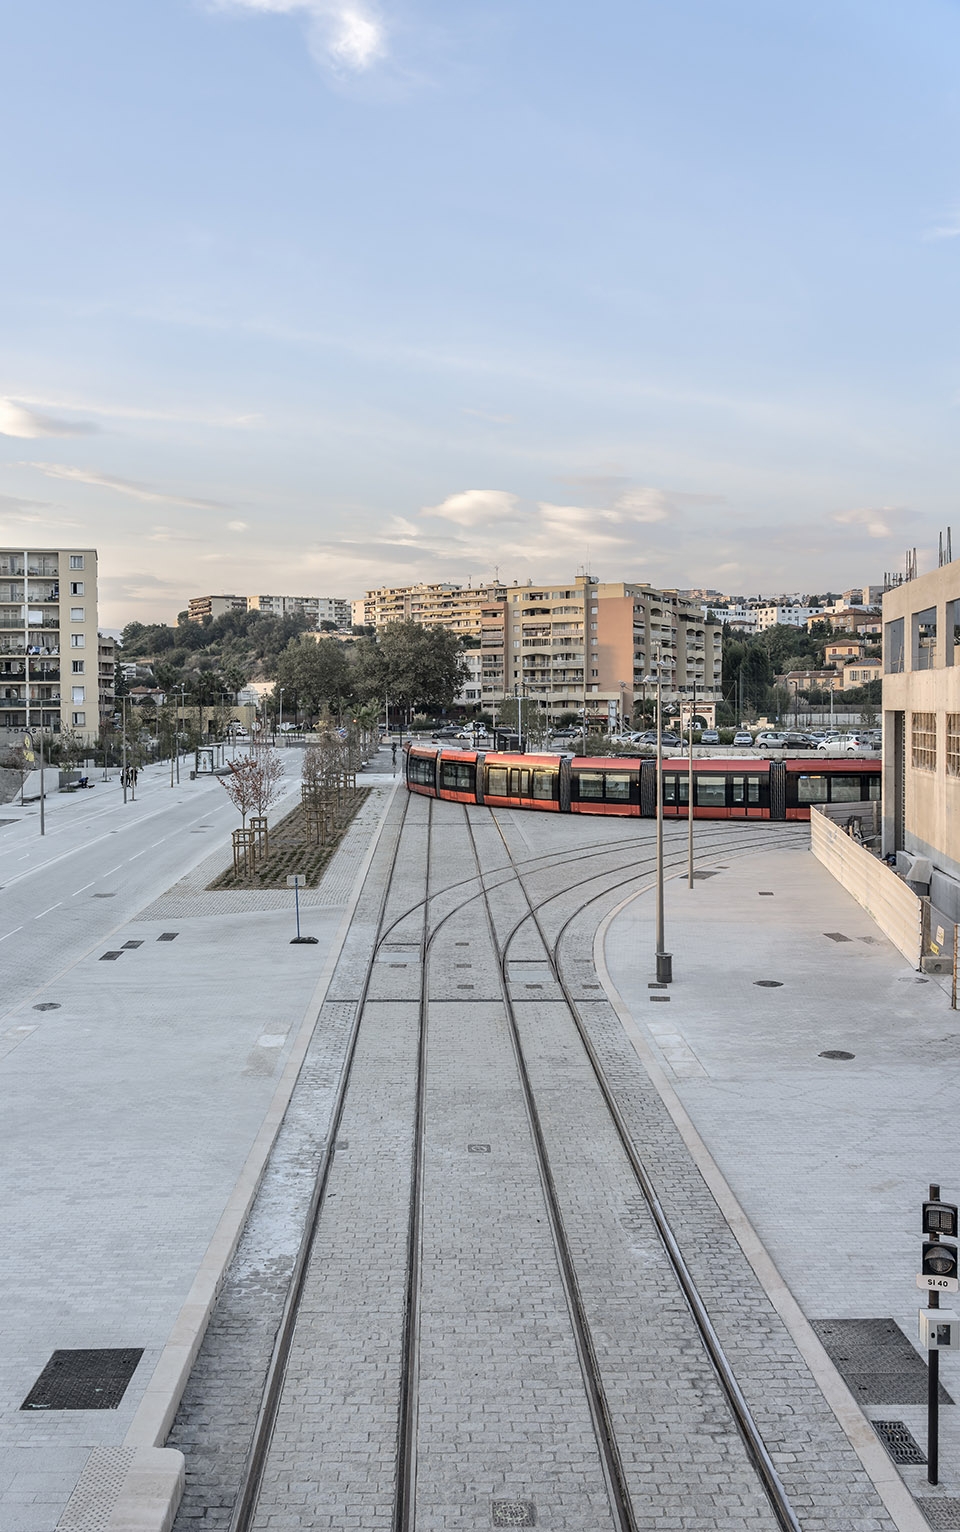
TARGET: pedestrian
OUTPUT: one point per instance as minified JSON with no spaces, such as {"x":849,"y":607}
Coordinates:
{"x":393,"y":750}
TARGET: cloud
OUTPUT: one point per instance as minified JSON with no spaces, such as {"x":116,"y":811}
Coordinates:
{"x":236,"y":526}
{"x":33,"y":512}
{"x":472,"y":507}
{"x":343,"y":35}
{"x":17,"y":420}
{"x":122,"y":486}
{"x":873,"y":520}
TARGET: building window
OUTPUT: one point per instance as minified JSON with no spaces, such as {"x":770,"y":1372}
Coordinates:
{"x":76,"y":561}
{"x":78,"y":694}
{"x":78,"y":641}
{"x":76,"y":614}
{"x":78,"y":667}
{"x":76,"y":587}
{"x":953,"y":744}
{"x":925,"y":741}
{"x":594,"y":672}
{"x":80,"y":720}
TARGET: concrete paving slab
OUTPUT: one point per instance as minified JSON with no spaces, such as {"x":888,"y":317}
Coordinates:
{"x":828,"y":1158}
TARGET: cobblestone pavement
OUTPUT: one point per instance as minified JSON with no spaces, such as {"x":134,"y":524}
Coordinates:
{"x":501,"y":1411}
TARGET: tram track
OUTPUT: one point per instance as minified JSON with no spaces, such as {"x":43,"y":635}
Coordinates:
{"x":409,"y":1504}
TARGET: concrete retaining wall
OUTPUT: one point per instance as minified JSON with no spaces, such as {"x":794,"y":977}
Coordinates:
{"x":874,"y":885}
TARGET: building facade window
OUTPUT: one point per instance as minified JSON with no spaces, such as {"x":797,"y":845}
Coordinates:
{"x":78,"y":641}
{"x":76,"y":587}
{"x":953,"y":744}
{"x":78,"y":694}
{"x":78,"y":667}
{"x":80,"y":720}
{"x":76,"y":614}
{"x":76,"y":561}
{"x":924,"y":741}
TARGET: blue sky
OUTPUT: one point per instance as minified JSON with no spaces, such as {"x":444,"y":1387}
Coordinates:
{"x":315,"y":296}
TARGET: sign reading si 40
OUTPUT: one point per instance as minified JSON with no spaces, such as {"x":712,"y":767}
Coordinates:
{"x":939,"y":1268}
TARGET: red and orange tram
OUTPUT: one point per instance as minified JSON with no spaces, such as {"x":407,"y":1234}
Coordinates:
{"x":738,"y":788}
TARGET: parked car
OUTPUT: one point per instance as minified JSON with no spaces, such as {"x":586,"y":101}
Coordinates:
{"x":742,"y":738}
{"x":567,"y":733}
{"x":710,"y":737}
{"x":844,"y":743}
{"x":649,"y":737}
{"x":445,"y":733}
{"x":800,"y":741}
{"x":473,"y":734}
{"x":770,"y":739}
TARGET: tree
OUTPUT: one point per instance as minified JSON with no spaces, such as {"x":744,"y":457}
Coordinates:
{"x":313,"y":673}
{"x":255,"y":781}
{"x":424,"y":666}
{"x":535,"y":723}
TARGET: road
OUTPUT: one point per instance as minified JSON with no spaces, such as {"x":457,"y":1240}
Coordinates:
{"x":99,"y":863}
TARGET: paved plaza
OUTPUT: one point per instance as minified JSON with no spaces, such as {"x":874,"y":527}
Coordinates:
{"x":139,"y":1112}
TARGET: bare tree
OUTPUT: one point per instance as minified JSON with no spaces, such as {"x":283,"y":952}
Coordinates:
{"x":254,"y":781}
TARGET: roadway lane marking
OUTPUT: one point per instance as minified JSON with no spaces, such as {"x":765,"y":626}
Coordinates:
{"x":112,"y":871}
{"x":11,"y":933}
{"x":82,"y":890}
{"x":47,"y":911}
{"x":139,"y":853}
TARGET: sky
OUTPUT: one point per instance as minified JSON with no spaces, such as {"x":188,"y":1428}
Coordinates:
{"x":308,"y":296}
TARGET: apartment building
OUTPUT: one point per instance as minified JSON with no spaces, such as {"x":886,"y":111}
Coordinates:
{"x":455,"y":607}
{"x":921,"y":730}
{"x":790,"y":615}
{"x":315,"y":609}
{"x":201,"y":607}
{"x":107,"y":675}
{"x":49,"y":647}
{"x":861,"y":672}
{"x":843,"y":652}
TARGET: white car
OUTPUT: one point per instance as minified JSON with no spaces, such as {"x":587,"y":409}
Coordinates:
{"x":845,"y":744}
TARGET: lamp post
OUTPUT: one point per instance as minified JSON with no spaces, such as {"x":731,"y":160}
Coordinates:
{"x":282,"y":690}
{"x":623,"y":722}
{"x":183,"y":706}
{"x":664,"y":959}
{"x":123,"y":755}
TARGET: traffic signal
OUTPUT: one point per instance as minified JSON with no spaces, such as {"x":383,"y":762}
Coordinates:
{"x":939,"y":1259}
{"x":940,"y":1218}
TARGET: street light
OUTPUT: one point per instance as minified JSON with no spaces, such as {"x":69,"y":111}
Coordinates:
{"x":664,"y":959}
{"x":282,"y":690}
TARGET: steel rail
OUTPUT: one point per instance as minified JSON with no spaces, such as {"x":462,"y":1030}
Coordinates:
{"x":245,"y":1504}
{"x":743,"y":1416}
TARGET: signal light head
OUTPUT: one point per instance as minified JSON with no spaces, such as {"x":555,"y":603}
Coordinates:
{"x":939,"y":1259}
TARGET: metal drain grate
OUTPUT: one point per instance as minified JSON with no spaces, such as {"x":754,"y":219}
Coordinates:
{"x":48,"y":1005}
{"x":104,"y":896}
{"x":664,"y":999}
{"x":514,"y":1513}
{"x":132,"y":945}
{"x":836,"y":1053}
{"x":876,"y":1361}
{"x":837,"y":936}
{"x":168,"y":936}
{"x":655,"y":984}
{"x":464,"y":986}
{"x":943,"y":1515}
{"x":768,"y":983}
{"x":110,"y":957}
{"x":766,"y":893}
{"x":899,"y":1442}
{"x":83,"y":1380}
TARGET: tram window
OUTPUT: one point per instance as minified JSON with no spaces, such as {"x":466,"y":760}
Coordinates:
{"x":683,"y":789}
{"x":458,"y":775}
{"x":669,"y":789}
{"x":591,"y":784}
{"x":421,"y":771}
{"x":873,"y":788}
{"x":497,"y":781}
{"x":811,"y":789}
{"x":746,"y":789}
{"x":712,"y":791}
{"x":520,"y":781}
{"x":543,"y":784}
{"x":618,"y":786}
{"x":845,"y":790}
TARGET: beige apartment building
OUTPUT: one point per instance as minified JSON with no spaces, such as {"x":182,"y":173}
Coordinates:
{"x":921,"y":728}
{"x":585,"y":645}
{"x":200,"y":607}
{"x":49,"y":645}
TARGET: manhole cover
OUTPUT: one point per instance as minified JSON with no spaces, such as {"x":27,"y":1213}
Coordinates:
{"x":899,"y":1442}
{"x":83,"y":1380}
{"x":478,"y":1148}
{"x":876,"y":1360}
{"x":836,"y":1053}
{"x":837,"y":936}
{"x":514,"y":1513}
{"x":704,"y":875}
{"x":768,"y":983}
{"x":48,"y":1005}
{"x":943,"y":1514}
{"x":168,"y":936}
